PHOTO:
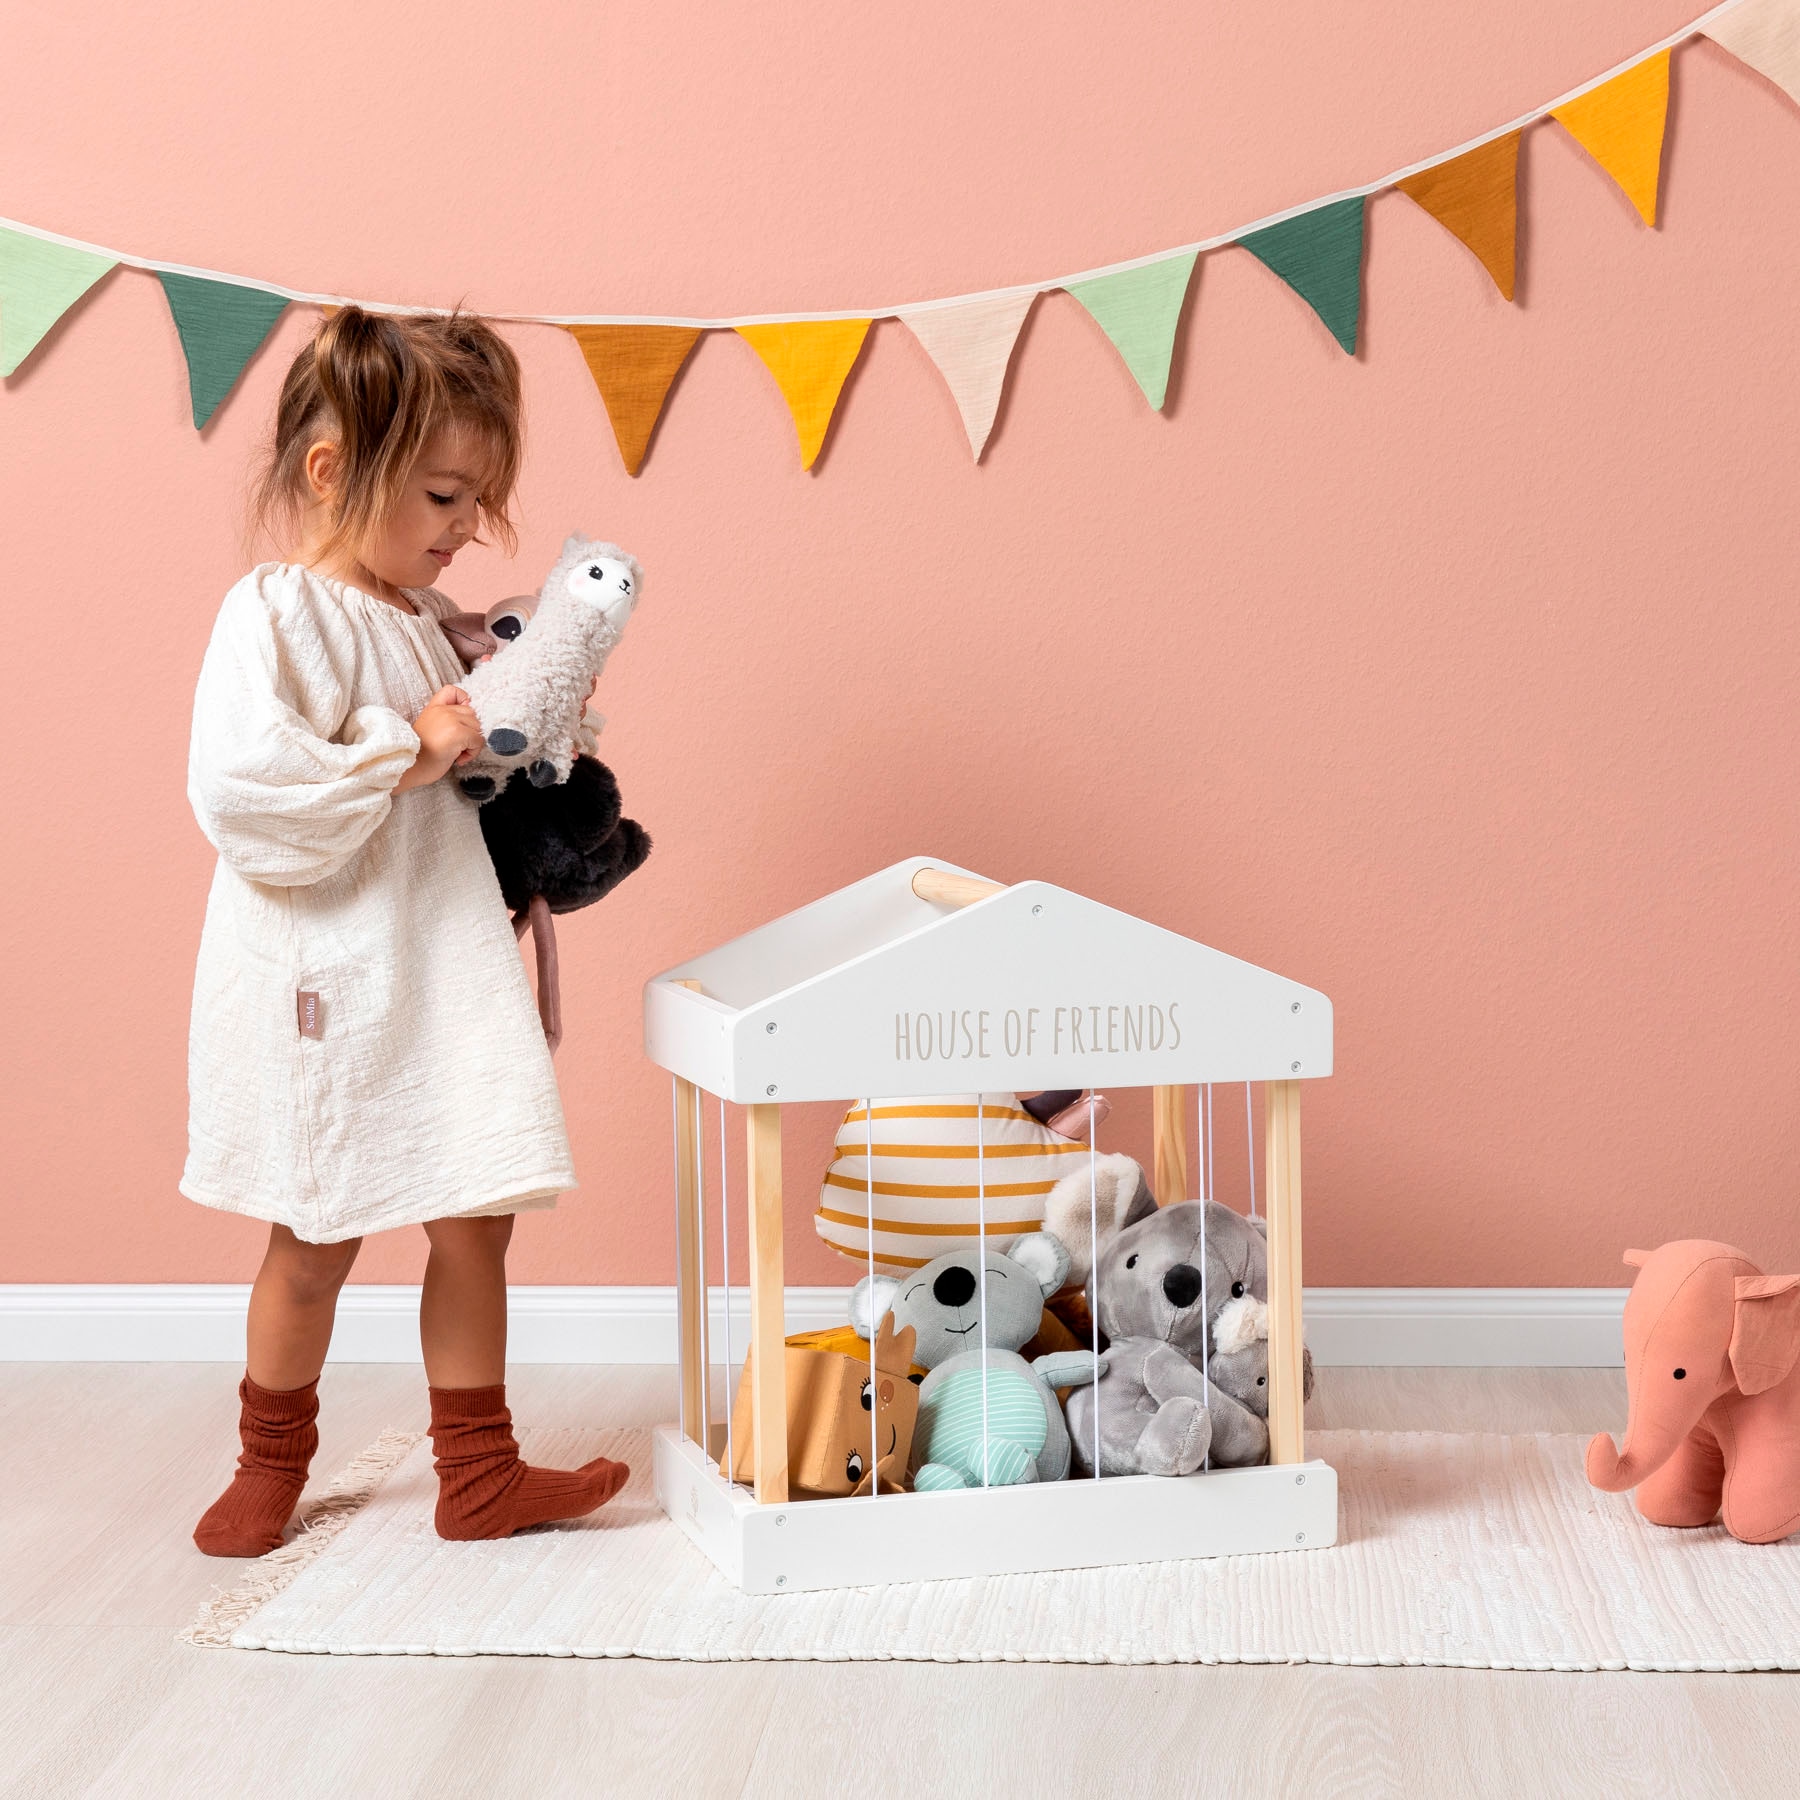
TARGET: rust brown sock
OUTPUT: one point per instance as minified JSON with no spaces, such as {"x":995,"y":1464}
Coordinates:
{"x":485,"y":1489}
{"x":279,"y":1435}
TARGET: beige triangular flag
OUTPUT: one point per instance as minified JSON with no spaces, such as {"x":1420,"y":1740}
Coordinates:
{"x":1766,"y":35}
{"x":972,"y":345}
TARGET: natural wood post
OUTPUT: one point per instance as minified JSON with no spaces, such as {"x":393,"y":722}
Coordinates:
{"x":1287,"y":1399}
{"x":1168,"y":1145}
{"x":690,"y":1274}
{"x":768,"y":1351}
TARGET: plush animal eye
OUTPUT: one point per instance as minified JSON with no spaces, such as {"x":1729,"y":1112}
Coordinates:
{"x":1237,"y":1290}
{"x":509,"y":626}
{"x":1261,"y":1380}
{"x":853,"y":1465}
{"x":1681,"y":1374}
{"x":1131,"y":1260}
{"x":595,"y":570}
{"x":865,"y":1396}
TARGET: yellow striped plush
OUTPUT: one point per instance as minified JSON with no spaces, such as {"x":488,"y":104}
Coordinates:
{"x":928,"y":1178}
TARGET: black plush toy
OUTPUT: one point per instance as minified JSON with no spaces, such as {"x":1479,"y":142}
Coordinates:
{"x":555,"y":850}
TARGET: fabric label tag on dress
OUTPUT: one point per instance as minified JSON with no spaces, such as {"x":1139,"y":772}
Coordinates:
{"x":312,"y":1023}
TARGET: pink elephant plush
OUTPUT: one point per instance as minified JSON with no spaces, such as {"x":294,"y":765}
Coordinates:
{"x":1710,"y":1350}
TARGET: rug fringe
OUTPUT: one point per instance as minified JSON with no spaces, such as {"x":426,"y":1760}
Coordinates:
{"x":349,"y":1491}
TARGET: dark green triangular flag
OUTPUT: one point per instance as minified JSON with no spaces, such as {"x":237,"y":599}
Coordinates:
{"x":221,"y":326}
{"x":1319,"y":255}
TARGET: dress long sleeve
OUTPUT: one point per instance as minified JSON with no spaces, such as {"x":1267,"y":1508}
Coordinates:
{"x":288,"y":780}
{"x":357,"y":979}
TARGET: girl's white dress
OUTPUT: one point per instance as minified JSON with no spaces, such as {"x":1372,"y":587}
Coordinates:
{"x":365,"y":1050}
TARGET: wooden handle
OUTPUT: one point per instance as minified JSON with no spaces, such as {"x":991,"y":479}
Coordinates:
{"x":944,"y":889}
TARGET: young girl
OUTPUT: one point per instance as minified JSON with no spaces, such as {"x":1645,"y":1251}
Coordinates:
{"x":365,"y":1052}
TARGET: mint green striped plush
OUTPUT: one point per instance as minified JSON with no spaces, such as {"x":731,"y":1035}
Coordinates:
{"x":948,"y":1434}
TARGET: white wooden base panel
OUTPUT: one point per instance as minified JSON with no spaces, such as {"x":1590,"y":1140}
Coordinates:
{"x":813,"y":1544}
{"x":204,"y":1322}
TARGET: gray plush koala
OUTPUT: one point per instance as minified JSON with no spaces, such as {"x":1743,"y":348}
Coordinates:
{"x":1165,"y":1277}
{"x":1239,"y":1363}
{"x":1025,"y":1438}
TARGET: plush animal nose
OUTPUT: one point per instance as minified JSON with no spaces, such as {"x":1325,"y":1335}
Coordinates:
{"x":503,"y":740}
{"x":1182,"y":1284}
{"x":953,"y":1287}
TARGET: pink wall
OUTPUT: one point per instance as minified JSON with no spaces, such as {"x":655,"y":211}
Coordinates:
{"x":1456,"y":680}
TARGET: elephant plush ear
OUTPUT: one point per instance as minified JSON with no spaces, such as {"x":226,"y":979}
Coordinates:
{"x":1102,"y":1198}
{"x":1635,"y":1259}
{"x":1765,"y":1336}
{"x":870,"y":1299}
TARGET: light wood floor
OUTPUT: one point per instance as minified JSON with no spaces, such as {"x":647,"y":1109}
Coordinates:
{"x":103,"y":1469}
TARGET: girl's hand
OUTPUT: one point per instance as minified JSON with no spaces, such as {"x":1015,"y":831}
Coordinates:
{"x":449,"y":733}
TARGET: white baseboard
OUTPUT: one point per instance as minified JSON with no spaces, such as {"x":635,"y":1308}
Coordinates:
{"x":1394,"y":1327}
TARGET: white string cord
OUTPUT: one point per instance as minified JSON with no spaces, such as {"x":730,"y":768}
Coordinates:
{"x":675,"y":1144}
{"x":1250,"y":1143}
{"x":1094,"y":1263}
{"x":981,"y":1259}
{"x":874,"y":1323}
{"x":306,"y":297}
{"x":1203,"y":1107}
{"x":725,"y":1251}
{"x":705,"y":1279}
{"x":1212,"y":1185}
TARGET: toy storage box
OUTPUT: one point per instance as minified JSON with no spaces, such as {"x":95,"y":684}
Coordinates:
{"x":844,"y":1000}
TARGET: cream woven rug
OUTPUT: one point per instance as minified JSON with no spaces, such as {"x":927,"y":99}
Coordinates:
{"x":1481,"y":1552}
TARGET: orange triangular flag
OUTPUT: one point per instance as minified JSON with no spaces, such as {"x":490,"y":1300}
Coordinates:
{"x":1475,"y":198}
{"x":634,"y":367}
{"x":1620,"y":126}
{"x":810,"y":362}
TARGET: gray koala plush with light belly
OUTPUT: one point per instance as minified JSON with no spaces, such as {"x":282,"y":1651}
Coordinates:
{"x":1016,"y":1432}
{"x":1175,"y":1286}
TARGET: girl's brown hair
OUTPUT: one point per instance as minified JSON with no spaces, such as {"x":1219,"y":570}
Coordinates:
{"x":378,"y":385}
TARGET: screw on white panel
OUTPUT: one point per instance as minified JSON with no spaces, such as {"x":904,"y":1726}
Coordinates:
{"x":770,"y":1028}
{"x":771,"y":1087}
{"x":1036,"y":910}
{"x":1299,"y":1481}
{"x":781,"y":1519}
{"x":1296,"y":1071}
{"x":1294,"y":1008}
{"x":1299,"y":1537}
{"x":781,"y":1581}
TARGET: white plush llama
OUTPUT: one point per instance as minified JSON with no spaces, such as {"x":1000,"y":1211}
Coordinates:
{"x":530,"y":695}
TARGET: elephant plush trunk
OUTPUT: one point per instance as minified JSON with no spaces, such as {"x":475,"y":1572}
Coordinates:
{"x":1607,"y":1469}
{"x":1650,"y":1440}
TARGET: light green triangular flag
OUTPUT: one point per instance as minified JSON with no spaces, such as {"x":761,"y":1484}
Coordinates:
{"x":39,"y":282}
{"x":1139,"y":310}
{"x":221,"y":326}
{"x":1319,"y":255}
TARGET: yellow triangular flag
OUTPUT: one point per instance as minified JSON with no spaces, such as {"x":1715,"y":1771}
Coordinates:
{"x":1620,"y":126}
{"x":810,"y":362}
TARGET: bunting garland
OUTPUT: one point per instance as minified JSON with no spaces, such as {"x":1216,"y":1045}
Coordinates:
{"x":1139,"y":310}
{"x":1620,"y":126}
{"x":39,"y":281}
{"x":1619,"y":118}
{"x":221,"y":326}
{"x":1765,"y":36}
{"x":810,"y":360}
{"x":634,"y":366}
{"x":972,"y":345}
{"x":1319,"y":255}
{"x":1475,"y":198}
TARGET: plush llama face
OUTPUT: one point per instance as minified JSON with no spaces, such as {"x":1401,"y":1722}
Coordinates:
{"x":604,"y":577}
